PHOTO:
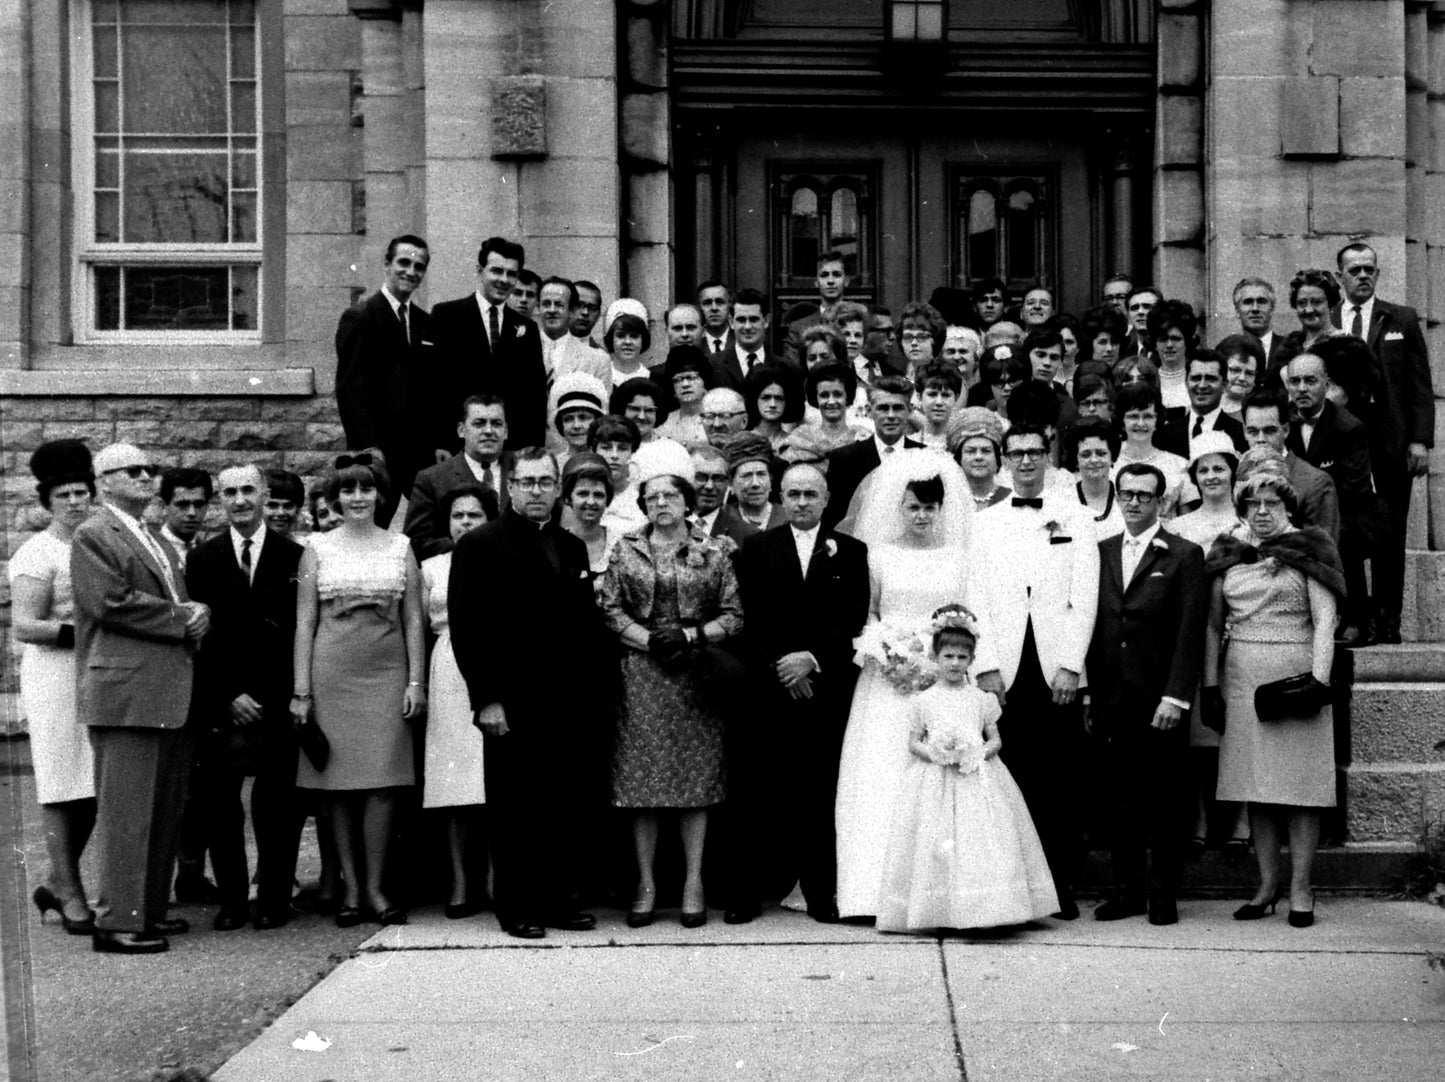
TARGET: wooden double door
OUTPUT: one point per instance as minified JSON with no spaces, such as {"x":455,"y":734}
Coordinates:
{"x":911,"y":210}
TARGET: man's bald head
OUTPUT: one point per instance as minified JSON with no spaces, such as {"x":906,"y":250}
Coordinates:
{"x":804,"y":495}
{"x":126,"y":477}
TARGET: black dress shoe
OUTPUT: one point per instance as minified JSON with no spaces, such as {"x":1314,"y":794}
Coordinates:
{"x":228,"y":920}
{"x":742,"y":914}
{"x":349,"y":916}
{"x":526,"y":930}
{"x":196,"y":890}
{"x":267,"y":920}
{"x":824,"y":913}
{"x":128,"y":943}
{"x":1068,"y":909}
{"x":1387,"y":630}
{"x":572,"y":922}
{"x":693,"y":920}
{"x":639,"y":918}
{"x":1163,"y":911}
{"x":392,"y":914}
{"x":1119,"y":908}
{"x":169,"y":926}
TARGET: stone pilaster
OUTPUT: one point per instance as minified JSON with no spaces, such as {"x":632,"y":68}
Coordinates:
{"x":1179,"y":151}
{"x":564,"y":205}
{"x":15,"y":184}
{"x":646,"y":145}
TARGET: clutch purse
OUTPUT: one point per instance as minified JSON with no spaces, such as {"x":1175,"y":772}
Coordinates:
{"x":1299,"y":696}
{"x":314,"y":744}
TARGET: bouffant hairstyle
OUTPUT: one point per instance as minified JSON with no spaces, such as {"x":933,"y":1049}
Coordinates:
{"x":1102,"y":319}
{"x":1252,"y":486}
{"x":572,"y":475}
{"x":452,"y":495}
{"x":1034,"y":402}
{"x":689,"y":494}
{"x":766,"y":375}
{"x":831,"y":373}
{"x":1320,"y":279}
{"x":1090,"y":379}
{"x":1146,"y":368}
{"x":1137,"y":396}
{"x":613,"y":429}
{"x":366,"y":468}
{"x":824,"y":332}
{"x":638,"y":387}
{"x":845,"y":312}
{"x":917,"y":315}
{"x":284,"y":485}
{"x":631,"y":324}
{"x":926,"y":489}
{"x":1090,"y":428}
{"x":943,"y":377}
{"x":1170,"y":314}
{"x":1232,"y":460}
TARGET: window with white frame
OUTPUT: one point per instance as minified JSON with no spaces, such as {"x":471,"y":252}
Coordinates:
{"x":168,"y":153}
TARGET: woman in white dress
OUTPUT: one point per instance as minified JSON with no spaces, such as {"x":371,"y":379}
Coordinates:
{"x":452,"y":765}
{"x":915,"y":520}
{"x":43,"y":620}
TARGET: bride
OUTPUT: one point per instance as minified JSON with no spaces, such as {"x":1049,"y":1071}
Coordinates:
{"x":914,"y":518}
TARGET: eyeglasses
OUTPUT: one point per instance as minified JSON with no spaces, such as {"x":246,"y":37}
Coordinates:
{"x":135,"y":473}
{"x":1033,"y":453}
{"x":535,"y":484}
{"x":916,"y":336}
{"x":1116,"y":296}
{"x":713,"y":418}
{"x":1136,"y":497}
{"x":666,"y":496}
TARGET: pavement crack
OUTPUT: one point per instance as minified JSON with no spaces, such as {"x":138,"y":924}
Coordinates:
{"x":952,"y":1014}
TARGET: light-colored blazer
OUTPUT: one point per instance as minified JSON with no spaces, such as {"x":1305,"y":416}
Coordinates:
{"x":132,"y":660}
{"x":1020,"y":569}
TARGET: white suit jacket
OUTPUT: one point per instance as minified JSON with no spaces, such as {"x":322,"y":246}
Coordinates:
{"x":1042,"y":565}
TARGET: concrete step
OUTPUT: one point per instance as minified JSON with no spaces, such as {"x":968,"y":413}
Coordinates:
{"x":1397,"y":721}
{"x":1394,"y":801}
{"x":1411,"y":661}
{"x":1376,"y":867}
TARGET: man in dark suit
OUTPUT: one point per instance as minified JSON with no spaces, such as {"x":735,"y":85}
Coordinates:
{"x":247,"y":576}
{"x":1144,"y":661}
{"x":1204,"y":374}
{"x":1138,"y":343}
{"x":483,"y":429}
{"x":890,"y":400}
{"x":386,"y":372}
{"x":1266,"y":429}
{"x":832,"y":282}
{"x":1332,"y":439}
{"x":514,"y":582}
{"x":135,"y":631}
{"x":486,"y":348}
{"x":805,"y":593}
{"x":1401,"y":422}
{"x":1254,"y":303}
{"x":749,"y":321}
{"x":715,"y":303}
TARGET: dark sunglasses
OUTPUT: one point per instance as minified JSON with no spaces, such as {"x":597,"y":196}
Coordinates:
{"x":346,"y":461}
{"x":135,"y":473}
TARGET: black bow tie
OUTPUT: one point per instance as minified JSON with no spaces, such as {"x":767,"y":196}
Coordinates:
{"x":1036,"y":502}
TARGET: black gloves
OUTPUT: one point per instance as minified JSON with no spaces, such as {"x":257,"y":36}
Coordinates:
{"x":670,"y":647}
{"x":1211,"y":708}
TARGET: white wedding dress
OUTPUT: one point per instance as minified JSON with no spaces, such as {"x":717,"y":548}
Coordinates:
{"x":913,"y":583}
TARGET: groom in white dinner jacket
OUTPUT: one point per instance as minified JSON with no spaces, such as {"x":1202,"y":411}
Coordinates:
{"x":1034,"y":586}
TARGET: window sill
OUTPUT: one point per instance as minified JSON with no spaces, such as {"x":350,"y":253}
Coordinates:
{"x":270,"y":382}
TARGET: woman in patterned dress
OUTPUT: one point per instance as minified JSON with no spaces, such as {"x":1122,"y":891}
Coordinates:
{"x":360,"y":668}
{"x":669,"y":589}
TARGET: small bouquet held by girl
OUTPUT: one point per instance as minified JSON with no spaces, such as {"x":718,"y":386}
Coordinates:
{"x":962,"y":851}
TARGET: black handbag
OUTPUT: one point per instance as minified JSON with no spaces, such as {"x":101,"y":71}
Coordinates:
{"x":314,"y":744}
{"x":1300,"y":696}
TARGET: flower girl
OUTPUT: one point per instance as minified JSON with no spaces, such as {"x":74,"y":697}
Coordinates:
{"x":962,"y":851}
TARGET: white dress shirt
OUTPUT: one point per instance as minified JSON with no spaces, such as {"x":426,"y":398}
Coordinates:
{"x":1209,"y":420}
{"x":153,"y":546}
{"x":757,"y":351}
{"x":257,"y":539}
{"x":1347,"y":316}
{"x":486,"y":306}
{"x":805,"y":541}
{"x":485,"y":475}
{"x":886,"y":449}
{"x":715,"y":344}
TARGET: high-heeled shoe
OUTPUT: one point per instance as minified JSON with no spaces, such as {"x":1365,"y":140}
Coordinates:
{"x":1257,"y":910}
{"x":47,"y":900}
{"x":641,"y":918}
{"x":693,"y":920}
{"x":1303,"y":918}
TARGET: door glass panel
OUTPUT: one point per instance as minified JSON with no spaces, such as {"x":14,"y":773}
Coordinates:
{"x":981,"y":231}
{"x":1003,"y":226}
{"x":822,"y":207}
{"x":803,"y":233}
{"x":1023,"y":229}
{"x":843,"y":228}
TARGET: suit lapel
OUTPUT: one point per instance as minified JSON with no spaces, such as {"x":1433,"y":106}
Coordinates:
{"x":1377,"y":325}
{"x":1112,"y":559}
{"x":1147,"y":559}
{"x":140,"y":549}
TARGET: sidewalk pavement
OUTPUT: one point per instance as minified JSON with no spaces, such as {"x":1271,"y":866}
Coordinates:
{"x":1356,"y":997}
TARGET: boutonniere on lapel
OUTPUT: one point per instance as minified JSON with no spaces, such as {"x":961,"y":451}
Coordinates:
{"x":1056,"y":533}
{"x":830,"y":547}
{"x":521,"y":331}
{"x":1162,"y":546}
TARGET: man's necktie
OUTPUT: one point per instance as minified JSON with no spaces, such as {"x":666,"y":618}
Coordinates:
{"x":752,"y":361}
{"x":1036,"y":502}
{"x":1198,"y":429}
{"x":717,"y":345}
{"x":401,"y":314}
{"x":1357,"y":323}
{"x":246,"y":557}
{"x":494,"y":326}
{"x":1131,"y":558}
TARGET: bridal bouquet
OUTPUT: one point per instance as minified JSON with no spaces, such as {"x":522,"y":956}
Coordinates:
{"x":902,"y":654}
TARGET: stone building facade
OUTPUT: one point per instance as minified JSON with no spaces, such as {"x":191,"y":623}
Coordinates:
{"x":647,"y":144}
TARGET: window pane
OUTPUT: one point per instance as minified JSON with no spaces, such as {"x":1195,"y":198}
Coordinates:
{"x":107,"y":107}
{"x":243,"y":11}
{"x":104,"y":52}
{"x":981,"y":233}
{"x":107,"y":217}
{"x":243,"y":107}
{"x":174,"y":79}
{"x":107,"y":167}
{"x":177,"y":298}
{"x":243,"y":218}
{"x":107,"y":298}
{"x":243,"y":169}
{"x":243,"y":53}
{"x":1023,"y":235}
{"x":175,"y":198}
{"x":843,"y":223}
{"x":930,"y":23}
{"x":804,"y":234}
{"x":191,"y":12}
{"x":244,"y":298}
